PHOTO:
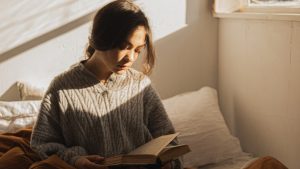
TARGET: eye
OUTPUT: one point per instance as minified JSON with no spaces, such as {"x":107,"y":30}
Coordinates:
{"x":128,"y":47}
{"x":125,"y":46}
{"x":139,"y":50}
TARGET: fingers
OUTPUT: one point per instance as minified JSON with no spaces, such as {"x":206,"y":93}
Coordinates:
{"x":96,"y":166}
{"x":95,"y":158}
{"x":89,"y":162}
{"x":167,"y":166}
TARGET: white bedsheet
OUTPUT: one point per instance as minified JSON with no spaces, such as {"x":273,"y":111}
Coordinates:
{"x":235,"y":163}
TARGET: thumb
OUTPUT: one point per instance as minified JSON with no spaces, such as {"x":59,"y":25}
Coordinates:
{"x":95,"y":158}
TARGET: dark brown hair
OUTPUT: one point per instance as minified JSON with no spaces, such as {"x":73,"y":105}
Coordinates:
{"x":113,"y":24}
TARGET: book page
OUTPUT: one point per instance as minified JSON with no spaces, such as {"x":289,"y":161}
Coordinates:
{"x":173,"y":152}
{"x":170,"y":147}
{"x":154,"y":146}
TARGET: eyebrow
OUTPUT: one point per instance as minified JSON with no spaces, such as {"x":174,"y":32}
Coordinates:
{"x":137,"y":46}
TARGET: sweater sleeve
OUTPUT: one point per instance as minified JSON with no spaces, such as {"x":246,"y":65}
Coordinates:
{"x":158,"y":121}
{"x":47,"y":138}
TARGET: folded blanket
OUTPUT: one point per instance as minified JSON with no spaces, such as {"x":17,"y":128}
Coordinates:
{"x":53,"y":162}
{"x":15,"y":153}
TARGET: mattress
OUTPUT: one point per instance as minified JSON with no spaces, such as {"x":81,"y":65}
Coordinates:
{"x":234,"y":163}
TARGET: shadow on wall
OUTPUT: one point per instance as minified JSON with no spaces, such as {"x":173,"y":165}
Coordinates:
{"x":46,"y":37}
{"x":186,"y":58}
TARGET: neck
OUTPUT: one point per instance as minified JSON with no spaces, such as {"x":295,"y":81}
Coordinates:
{"x":98,"y":68}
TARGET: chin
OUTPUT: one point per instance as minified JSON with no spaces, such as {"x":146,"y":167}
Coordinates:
{"x":120,"y":71}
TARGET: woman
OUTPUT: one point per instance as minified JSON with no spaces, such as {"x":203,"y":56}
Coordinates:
{"x":101,"y":107}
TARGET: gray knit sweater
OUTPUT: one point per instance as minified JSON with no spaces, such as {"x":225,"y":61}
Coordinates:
{"x":80,"y":116}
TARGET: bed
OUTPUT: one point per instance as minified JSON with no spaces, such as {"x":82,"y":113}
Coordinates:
{"x":196,"y":115}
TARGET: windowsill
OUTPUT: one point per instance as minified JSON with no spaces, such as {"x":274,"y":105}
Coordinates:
{"x":260,"y":16}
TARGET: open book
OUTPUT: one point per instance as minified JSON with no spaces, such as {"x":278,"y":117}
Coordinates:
{"x":156,"y":151}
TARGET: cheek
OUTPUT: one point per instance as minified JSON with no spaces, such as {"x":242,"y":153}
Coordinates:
{"x":136,"y":55}
{"x":120,"y":55}
{"x":116,"y":57}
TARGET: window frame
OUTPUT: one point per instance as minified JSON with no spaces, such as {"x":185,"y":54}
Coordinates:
{"x":283,"y":9}
{"x":244,"y":11}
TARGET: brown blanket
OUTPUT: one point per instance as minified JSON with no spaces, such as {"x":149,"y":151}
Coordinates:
{"x":15,"y":153}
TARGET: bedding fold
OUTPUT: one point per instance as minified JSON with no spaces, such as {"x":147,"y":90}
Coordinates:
{"x":15,"y":153}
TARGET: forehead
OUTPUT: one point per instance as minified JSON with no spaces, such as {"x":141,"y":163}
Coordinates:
{"x":138,"y":36}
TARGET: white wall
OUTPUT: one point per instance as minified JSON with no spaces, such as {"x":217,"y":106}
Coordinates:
{"x":24,"y":20}
{"x":259,"y":79}
{"x":185,"y":38}
{"x":40,"y":63}
{"x":187,"y":59}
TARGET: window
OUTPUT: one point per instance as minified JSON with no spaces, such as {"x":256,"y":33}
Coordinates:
{"x":288,"y":10}
{"x":273,"y":6}
{"x":274,"y":2}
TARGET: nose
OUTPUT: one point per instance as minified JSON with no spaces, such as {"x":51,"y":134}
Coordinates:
{"x":130,"y":55}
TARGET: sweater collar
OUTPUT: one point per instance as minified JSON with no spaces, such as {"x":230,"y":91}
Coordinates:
{"x":114,"y":82}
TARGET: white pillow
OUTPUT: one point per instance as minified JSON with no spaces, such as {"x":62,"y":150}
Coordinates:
{"x":197,"y":117}
{"x":29,"y":91}
{"x":18,"y":114}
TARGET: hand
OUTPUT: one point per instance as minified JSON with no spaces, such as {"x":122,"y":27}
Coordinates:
{"x":167,"y":166}
{"x":90,"y":162}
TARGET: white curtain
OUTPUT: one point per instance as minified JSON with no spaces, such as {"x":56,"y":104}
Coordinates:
{"x":229,"y":6}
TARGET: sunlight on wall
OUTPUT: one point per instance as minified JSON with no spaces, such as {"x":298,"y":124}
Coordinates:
{"x":27,"y":19}
{"x":53,"y":54}
{"x":165,"y":16}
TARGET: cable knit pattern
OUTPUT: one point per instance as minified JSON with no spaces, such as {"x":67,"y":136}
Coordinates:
{"x":81,"y":116}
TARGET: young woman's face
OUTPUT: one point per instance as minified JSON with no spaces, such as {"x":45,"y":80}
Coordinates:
{"x":119,"y":60}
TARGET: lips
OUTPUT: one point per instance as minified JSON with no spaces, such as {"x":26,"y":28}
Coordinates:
{"x":123,"y":66}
